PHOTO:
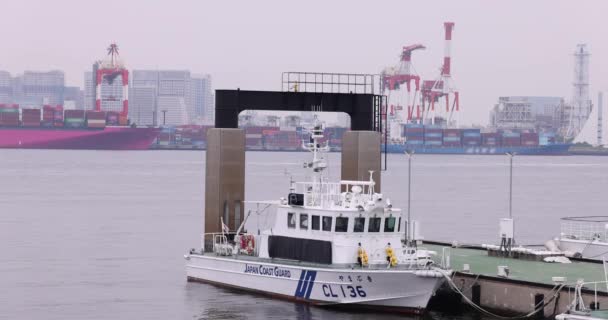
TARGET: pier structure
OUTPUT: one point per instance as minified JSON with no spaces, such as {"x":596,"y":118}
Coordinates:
{"x":225,"y":158}
{"x":517,"y":286}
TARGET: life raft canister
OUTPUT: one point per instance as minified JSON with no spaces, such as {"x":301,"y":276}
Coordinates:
{"x":363,"y":256}
{"x":390,"y":254}
{"x":248,"y":243}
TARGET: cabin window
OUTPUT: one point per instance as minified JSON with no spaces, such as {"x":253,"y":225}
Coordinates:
{"x":316,"y":222}
{"x":389,"y":224}
{"x":303,"y":221}
{"x":399,"y":225}
{"x":359,"y":225}
{"x":327,"y":223}
{"x":291,"y":220}
{"x":374,"y":225}
{"x":341,"y":224}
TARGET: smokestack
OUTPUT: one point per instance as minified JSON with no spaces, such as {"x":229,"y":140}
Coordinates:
{"x":449,"y":26}
{"x":599,"y":119}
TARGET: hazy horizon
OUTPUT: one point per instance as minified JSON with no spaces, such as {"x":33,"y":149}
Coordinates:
{"x":513,"y":48}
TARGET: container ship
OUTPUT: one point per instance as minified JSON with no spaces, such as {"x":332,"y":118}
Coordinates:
{"x":54,"y":128}
{"x":430,"y":139}
{"x":419,"y":138}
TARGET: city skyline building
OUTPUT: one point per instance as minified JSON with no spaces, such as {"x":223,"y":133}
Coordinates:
{"x":143,"y":105}
{"x":6,"y":89}
{"x":33,"y":89}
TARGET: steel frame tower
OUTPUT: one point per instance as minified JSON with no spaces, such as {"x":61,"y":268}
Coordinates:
{"x":581,"y":104}
{"x":432,"y":90}
{"x":108,"y":71}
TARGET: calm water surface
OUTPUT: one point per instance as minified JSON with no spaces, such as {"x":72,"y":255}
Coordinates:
{"x":101,"y":234}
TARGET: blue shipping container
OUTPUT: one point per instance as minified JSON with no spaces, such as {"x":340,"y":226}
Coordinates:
{"x":432,"y":142}
{"x":414,"y":142}
{"x":433,"y":134}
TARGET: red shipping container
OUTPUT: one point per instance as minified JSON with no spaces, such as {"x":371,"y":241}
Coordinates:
{"x":451,"y":132}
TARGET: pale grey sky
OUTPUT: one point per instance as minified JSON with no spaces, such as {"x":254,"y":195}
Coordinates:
{"x":517,"y":47}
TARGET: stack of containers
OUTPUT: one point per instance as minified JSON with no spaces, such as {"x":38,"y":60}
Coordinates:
{"x":166,"y":136}
{"x":96,"y":119}
{"x":335,"y":140}
{"x":199,"y":136}
{"x":186,"y":134}
{"x":546,"y":138}
{"x":122,"y":120}
{"x":253,"y":137}
{"x":48,"y":116}
{"x":529,"y":139}
{"x":414,"y":134}
{"x":178,"y":135}
{"x":433,"y":136}
{"x":30,"y":117}
{"x":112,"y":118}
{"x":471,"y":137}
{"x":281,"y":140}
{"x":9,"y":115}
{"x":74,"y":119}
{"x":491,"y":139}
{"x":451,"y":138}
{"x":511,"y":139}
{"x":58,"y":121}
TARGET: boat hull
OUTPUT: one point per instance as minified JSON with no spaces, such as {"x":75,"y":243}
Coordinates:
{"x":108,"y":138}
{"x":595,"y":250}
{"x":395,"y":289}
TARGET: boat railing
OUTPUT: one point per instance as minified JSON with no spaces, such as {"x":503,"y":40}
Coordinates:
{"x":320,"y":194}
{"x":229,"y":243}
{"x":585,"y":228}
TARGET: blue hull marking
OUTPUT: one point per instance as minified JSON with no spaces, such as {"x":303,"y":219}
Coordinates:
{"x":305,"y":284}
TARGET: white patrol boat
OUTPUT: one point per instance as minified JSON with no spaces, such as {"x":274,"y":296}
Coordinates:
{"x":584,"y":237}
{"x":326,"y":244}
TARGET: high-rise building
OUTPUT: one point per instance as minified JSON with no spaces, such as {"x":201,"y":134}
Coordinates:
{"x":143,"y":105}
{"x":6,"y":88}
{"x":34,"y":88}
{"x":180,"y":97}
{"x":75,"y":95}
{"x":202,"y":97}
{"x":89,"y":91}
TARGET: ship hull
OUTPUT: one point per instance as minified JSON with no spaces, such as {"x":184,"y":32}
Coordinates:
{"x":589,"y":249}
{"x":108,"y":138}
{"x":556,"y":149}
{"x":402,"y":290}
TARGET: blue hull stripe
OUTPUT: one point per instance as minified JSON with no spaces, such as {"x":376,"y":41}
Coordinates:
{"x":305,"y":284}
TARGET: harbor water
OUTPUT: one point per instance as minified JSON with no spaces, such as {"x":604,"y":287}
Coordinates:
{"x":101,"y":234}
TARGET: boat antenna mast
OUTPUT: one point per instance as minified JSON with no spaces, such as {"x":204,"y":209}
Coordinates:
{"x":314,"y":145}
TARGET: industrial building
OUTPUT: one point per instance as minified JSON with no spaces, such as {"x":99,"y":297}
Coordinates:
{"x":541,"y":114}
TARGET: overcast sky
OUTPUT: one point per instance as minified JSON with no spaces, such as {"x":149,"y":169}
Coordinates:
{"x":499,"y":47}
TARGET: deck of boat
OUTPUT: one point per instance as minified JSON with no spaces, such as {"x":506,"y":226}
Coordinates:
{"x":287,"y":262}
